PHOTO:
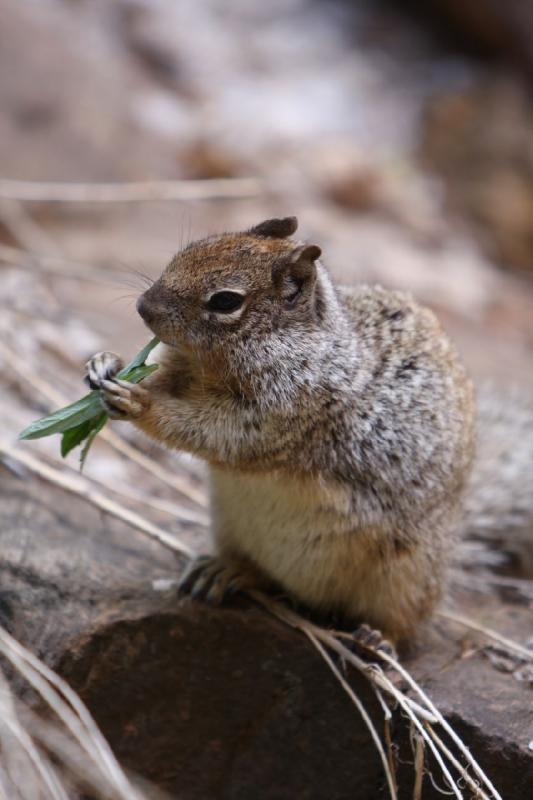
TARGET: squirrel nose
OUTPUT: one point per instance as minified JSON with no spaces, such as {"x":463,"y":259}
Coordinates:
{"x":144,"y":309}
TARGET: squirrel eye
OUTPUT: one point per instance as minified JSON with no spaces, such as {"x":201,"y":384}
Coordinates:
{"x":225,"y":302}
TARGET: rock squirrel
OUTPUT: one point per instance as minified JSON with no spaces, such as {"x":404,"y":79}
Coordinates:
{"x":338,"y":425}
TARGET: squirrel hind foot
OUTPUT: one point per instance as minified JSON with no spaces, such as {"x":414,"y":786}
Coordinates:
{"x":369,"y":643}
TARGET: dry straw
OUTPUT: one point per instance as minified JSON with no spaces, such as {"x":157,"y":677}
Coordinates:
{"x":135,"y":192}
{"x":81,"y":755}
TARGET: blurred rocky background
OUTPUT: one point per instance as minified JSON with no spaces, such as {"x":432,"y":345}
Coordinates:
{"x":401,"y":135}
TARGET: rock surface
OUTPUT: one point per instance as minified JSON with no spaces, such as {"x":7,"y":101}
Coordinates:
{"x":228,"y":703}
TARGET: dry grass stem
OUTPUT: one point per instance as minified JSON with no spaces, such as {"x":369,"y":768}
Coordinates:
{"x":391,"y":780}
{"x":419,"y":767}
{"x":9,"y":722}
{"x":78,"y":486}
{"x":135,"y":192}
{"x":525,"y":653}
{"x":418,"y":715}
{"x":23,"y":228}
{"x":3,"y":786}
{"x":53,"y":265}
{"x":43,"y":387}
{"x":71,"y":711}
{"x":445,"y":725}
{"x":372,"y":672}
{"x":73,"y":759}
{"x":387,"y":733}
{"x":476,"y":788}
{"x":406,"y":707}
{"x":180,"y":485}
{"x":178,"y":513}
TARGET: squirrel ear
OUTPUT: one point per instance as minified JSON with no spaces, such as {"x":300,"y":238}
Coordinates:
{"x":296,"y":275}
{"x":305,"y":254}
{"x":275,"y":228}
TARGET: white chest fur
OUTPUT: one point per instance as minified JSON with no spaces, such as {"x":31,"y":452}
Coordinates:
{"x":297,"y":530}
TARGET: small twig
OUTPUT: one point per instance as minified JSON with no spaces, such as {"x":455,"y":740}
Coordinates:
{"x":53,"y":265}
{"x":419,"y":767}
{"x":178,"y":513}
{"x":174,"y":481}
{"x":135,"y":192}
{"x":478,"y":791}
{"x":415,"y":712}
{"x":329,"y":638}
{"x":9,"y":720}
{"x":70,"y":710}
{"x":23,"y":228}
{"x":78,"y":486}
{"x":434,"y":749}
{"x":42,"y":769}
{"x":514,"y":647}
{"x":387,"y":733}
{"x":362,"y":710}
{"x":446,"y":726}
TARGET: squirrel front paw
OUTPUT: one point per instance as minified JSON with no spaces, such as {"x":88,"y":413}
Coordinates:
{"x":124,"y":400}
{"x":120,"y":399}
{"x":102,"y":367}
{"x":212,"y":579}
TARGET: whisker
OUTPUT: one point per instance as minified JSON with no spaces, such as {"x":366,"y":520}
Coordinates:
{"x":131,"y":297}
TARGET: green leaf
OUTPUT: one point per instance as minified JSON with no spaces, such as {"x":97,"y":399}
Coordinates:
{"x":90,"y":439}
{"x":84,"y":419}
{"x":64,"y":418}
{"x":138,"y":374}
{"x":75,"y":436}
{"x":140,"y":358}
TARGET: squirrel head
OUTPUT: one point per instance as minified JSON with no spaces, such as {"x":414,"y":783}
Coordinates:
{"x":235,"y":286}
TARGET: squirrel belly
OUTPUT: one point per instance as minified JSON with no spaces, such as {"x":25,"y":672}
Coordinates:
{"x":301,"y":533}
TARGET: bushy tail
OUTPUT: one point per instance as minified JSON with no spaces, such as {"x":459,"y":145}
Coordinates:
{"x":497,"y":523}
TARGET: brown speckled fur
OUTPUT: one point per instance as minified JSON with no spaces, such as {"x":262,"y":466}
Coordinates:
{"x":338,"y":423}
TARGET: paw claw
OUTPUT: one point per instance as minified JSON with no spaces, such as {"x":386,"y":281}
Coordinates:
{"x":370,"y":642}
{"x":102,"y":366}
{"x":212,"y":579}
{"x":191,"y":572}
